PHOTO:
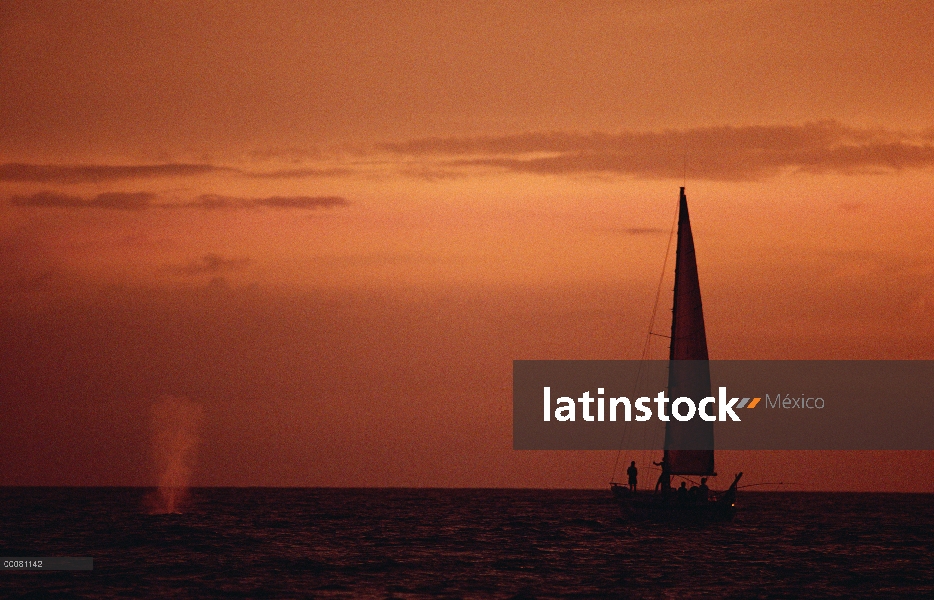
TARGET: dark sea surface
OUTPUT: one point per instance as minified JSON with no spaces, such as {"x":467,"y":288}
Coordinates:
{"x":403,"y":543}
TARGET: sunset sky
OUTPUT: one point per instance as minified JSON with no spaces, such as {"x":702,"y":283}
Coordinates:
{"x":333,"y":226}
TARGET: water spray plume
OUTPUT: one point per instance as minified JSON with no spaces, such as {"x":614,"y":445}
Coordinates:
{"x":175,"y":425}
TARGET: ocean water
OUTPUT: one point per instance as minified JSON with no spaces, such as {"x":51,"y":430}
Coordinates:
{"x":412,"y":543}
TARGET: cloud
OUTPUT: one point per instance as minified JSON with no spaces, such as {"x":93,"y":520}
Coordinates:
{"x":71,"y":174}
{"x":215,"y":202}
{"x":644,"y":231}
{"x":297,"y":173}
{"x":109,"y":200}
{"x":717,"y":153}
{"x":725,"y":153}
{"x":21,"y":172}
{"x":143,"y":200}
{"x":301,"y":201}
{"x":50,"y":199}
{"x":635,"y":231}
{"x":431,"y":174}
{"x":123,"y":200}
{"x":218,"y":202}
{"x":212,"y":264}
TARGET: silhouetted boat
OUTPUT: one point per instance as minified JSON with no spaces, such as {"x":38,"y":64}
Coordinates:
{"x":689,"y":446}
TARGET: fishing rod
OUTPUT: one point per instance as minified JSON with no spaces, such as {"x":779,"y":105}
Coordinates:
{"x":767,"y":483}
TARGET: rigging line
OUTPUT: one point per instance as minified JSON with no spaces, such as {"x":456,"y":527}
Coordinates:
{"x":648,"y":338}
{"x":767,"y":483}
{"x":688,"y":479}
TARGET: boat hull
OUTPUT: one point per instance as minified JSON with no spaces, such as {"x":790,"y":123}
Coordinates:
{"x":658,"y":508}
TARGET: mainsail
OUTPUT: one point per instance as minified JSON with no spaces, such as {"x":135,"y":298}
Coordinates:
{"x":688,"y":444}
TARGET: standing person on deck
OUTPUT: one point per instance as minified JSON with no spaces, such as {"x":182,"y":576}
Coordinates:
{"x":633,"y":473}
{"x":664,"y":480}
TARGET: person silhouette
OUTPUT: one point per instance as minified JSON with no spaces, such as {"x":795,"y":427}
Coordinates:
{"x":664,"y":480}
{"x":682,"y":493}
{"x":703,"y":492}
{"x":633,"y":473}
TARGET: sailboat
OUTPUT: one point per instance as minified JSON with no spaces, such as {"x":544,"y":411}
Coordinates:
{"x":689,"y":445}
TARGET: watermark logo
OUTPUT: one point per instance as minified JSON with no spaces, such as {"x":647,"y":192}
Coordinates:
{"x":682,"y":409}
{"x":789,"y":402}
{"x":823,"y":405}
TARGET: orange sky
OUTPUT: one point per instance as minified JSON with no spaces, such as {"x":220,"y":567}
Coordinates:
{"x":334,"y":227}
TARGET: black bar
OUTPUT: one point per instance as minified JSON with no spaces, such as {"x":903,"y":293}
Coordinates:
{"x":46,"y":563}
